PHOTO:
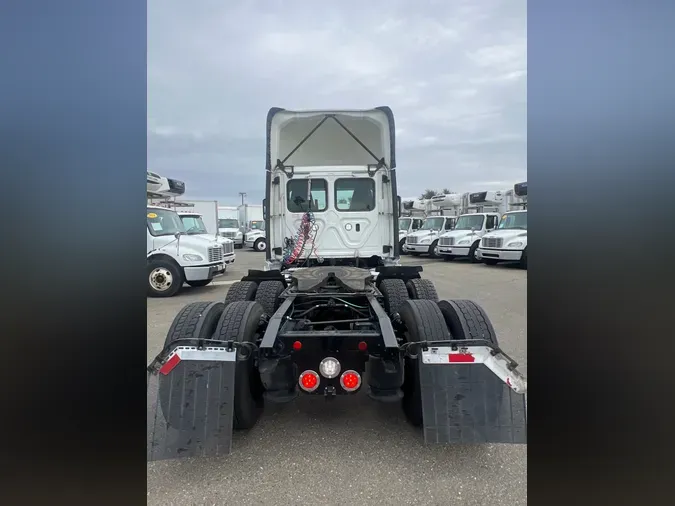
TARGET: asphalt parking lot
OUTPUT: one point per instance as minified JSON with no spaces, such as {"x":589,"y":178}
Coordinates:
{"x":353,"y":450}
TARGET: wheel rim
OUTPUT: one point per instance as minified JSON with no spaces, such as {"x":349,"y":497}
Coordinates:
{"x":261,"y":245}
{"x":161,"y":279}
{"x":436,"y":250}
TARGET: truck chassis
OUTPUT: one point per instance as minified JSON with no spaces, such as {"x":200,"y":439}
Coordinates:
{"x":327,"y":331}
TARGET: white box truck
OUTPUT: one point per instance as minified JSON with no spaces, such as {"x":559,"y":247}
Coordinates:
{"x":509,"y":242}
{"x":174,"y":258}
{"x":481,"y":216}
{"x":229,"y":226}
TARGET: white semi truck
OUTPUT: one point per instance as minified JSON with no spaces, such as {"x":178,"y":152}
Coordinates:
{"x":508,"y":243}
{"x":228,"y":225}
{"x":481,"y":216}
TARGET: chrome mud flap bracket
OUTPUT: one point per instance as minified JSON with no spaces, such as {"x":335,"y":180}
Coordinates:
{"x":190,"y":399}
{"x":471,"y":395}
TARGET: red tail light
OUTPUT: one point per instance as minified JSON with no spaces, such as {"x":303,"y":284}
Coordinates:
{"x":350,"y":381}
{"x":363,"y":346}
{"x":309,"y":381}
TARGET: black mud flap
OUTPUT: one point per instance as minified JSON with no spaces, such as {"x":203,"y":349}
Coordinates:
{"x":471,"y":398}
{"x":190,"y":404}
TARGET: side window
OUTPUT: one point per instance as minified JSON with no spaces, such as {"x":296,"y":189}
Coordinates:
{"x":490,"y":224}
{"x":448,"y":224}
{"x":355,"y":194}
{"x":296,"y":195}
{"x":416,"y":224}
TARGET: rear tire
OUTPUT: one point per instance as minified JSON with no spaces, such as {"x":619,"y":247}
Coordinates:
{"x":165,"y":278}
{"x":467,"y":320}
{"x":241,"y":291}
{"x":395,"y":294}
{"x":424,"y":322}
{"x":267,"y":296}
{"x":421,"y":289}
{"x":195,"y":321}
{"x":490,"y":261}
{"x":200,"y":283}
{"x":239,"y":322}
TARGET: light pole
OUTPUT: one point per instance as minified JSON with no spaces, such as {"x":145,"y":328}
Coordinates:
{"x":243,"y":195}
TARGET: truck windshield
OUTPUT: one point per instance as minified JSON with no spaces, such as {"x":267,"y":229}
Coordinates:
{"x":164,"y":222}
{"x":228,"y":223}
{"x":257,"y":225}
{"x":469,"y":222}
{"x":433,"y":224}
{"x":514,"y":220}
{"x":193,"y":225}
{"x":404,"y":224}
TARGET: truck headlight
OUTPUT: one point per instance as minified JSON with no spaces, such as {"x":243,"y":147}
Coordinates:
{"x":192,"y":258}
{"x":465,"y":241}
{"x":426,"y":240}
{"x":514,"y":245}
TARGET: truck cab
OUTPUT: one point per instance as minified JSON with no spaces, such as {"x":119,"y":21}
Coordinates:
{"x":195,"y":227}
{"x":229,"y":226}
{"x":408,"y":225}
{"x":330,"y":200}
{"x":255,"y":237}
{"x":425,"y":240}
{"x":508,"y":243}
{"x":463,"y":241}
{"x":174,"y":258}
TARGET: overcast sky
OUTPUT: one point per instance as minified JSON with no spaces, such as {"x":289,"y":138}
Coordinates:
{"x":454,"y":73}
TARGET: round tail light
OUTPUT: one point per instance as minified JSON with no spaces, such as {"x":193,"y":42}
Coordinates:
{"x":350,"y":380}
{"x":309,"y":381}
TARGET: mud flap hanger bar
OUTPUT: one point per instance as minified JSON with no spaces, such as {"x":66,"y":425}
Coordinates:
{"x":200,"y":344}
{"x":412,"y":349}
{"x":289,"y":169}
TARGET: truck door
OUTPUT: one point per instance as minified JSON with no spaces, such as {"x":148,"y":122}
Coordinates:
{"x":491,"y":222}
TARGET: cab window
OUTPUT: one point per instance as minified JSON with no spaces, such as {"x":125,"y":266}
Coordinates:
{"x":355,"y":194}
{"x":296,"y":195}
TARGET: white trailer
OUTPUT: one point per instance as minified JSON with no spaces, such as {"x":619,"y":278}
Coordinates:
{"x":508,"y":243}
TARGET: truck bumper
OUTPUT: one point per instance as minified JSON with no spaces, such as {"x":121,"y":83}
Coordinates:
{"x":459,"y":251}
{"x":229,"y":259}
{"x":200,"y":272}
{"x":416,"y":248}
{"x":505,"y":255}
{"x":249,"y":244}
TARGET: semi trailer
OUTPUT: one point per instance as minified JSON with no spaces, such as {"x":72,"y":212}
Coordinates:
{"x":332,"y":312}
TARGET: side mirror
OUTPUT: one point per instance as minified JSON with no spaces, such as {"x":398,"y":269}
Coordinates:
{"x":264,"y":208}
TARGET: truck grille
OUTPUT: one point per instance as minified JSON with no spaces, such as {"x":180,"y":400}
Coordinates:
{"x":446,"y":241}
{"x":228,"y":247}
{"x":229,"y":235}
{"x":215,"y":254}
{"x":411,"y":240}
{"x":492,"y":242}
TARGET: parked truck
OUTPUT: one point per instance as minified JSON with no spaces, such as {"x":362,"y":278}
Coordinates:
{"x":482,"y":216}
{"x":229,"y":226}
{"x":200,"y":219}
{"x":332,"y":312}
{"x":508,"y":243}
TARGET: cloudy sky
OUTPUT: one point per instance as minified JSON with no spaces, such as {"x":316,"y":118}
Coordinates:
{"x":454,"y":72}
